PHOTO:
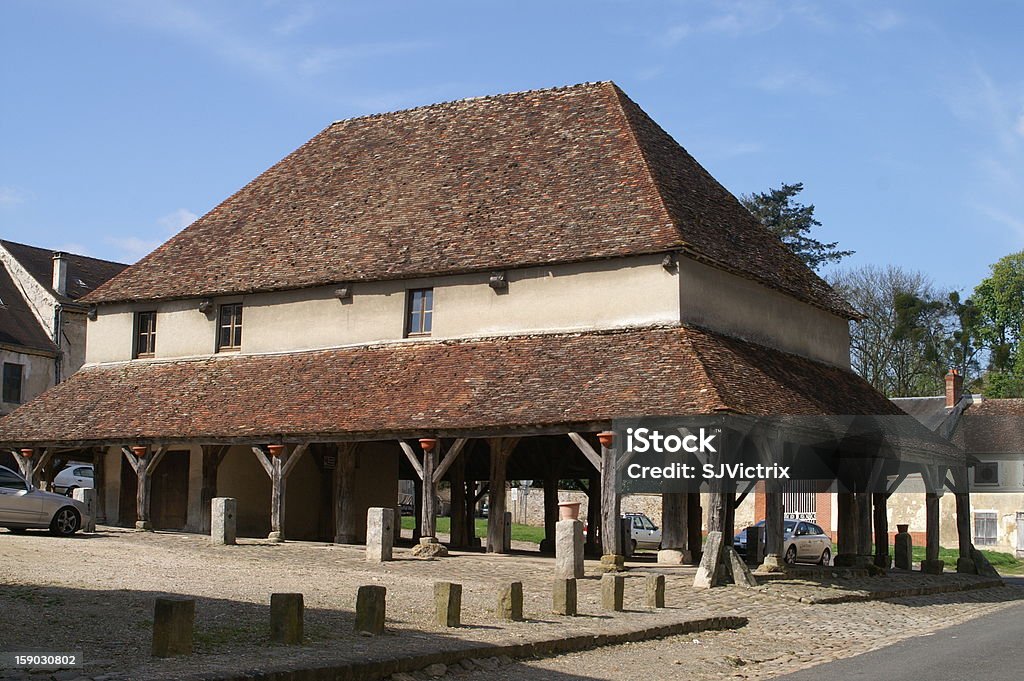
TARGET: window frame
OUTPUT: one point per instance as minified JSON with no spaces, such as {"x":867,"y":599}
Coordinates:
{"x":21,"y":383}
{"x":988,"y":517}
{"x":235,"y":326}
{"x":995,"y":466}
{"x":424,"y":310}
{"x":150,"y":335}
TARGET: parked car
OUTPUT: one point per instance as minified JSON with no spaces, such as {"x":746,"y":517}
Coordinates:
{"x":643,"y":533}
{"x":803,"y":542}
{"x":72,"y":477}
{"x":23,"y":507}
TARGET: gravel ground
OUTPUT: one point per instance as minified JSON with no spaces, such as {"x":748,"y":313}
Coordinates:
{"x":95,"y":594}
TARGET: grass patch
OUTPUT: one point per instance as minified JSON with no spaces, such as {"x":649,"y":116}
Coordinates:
{"x":524,"y":533}
{"x":1005,"y":563}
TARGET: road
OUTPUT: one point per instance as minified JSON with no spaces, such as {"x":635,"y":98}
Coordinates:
{"x":983,"y":648}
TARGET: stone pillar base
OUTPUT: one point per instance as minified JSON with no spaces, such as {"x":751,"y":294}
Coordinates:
{"x":966,"y":566}
{"x":429,"y":547}
{"x":275,"y":537}
{"x":853,"y":560}
{"x":674,"y":557}
{"x":772,"y":564}
{"x":143,"y":526}
{"x":883,"y":560}
{"x":346,"y":539}
{"x":611,"y":562}
{"x":932,"y":567}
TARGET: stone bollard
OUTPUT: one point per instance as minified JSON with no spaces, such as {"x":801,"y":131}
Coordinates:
{"x":613,"y":587}
{"x":563,"y":597}
{"x":904,"y":551}
{"x":380,"y":534}
{"x":87,"y":496}
{"x":448,"y":604}
{"x":223,"y":520}
{"x":655,"y":591}
{"x":569,"y":549}
{"x":507,"y":539}
{"x":286,"y":614}
{"x":370,"y":606}
{"x":173,"y":621}
{"x":510,"y":602}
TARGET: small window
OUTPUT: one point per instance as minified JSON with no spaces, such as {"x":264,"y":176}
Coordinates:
{"x":985,"y":528}
{"x":145,"y":334}
{"x":12,"y":382}
{"x":83,"y":472}
{"x":638,"y":523}
{"x":986,"y":473}
{"x":420,"y":312}
{"x":229,"y":335}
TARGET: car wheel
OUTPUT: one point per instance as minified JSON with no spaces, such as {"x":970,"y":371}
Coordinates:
{"x":826,"y":557}
{"x":790,"y":557}
{"x":65,"y":522}
{"x":70,"y":491}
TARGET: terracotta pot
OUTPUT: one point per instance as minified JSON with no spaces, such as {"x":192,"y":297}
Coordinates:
{"x":27,"y":453}
{"x":428,"y":443}
{"x":276,"y":450}
{"x":606,"y":438}
{"x":139,"y":451}
{"x":568,"y":510}
{"x":902,"y":529}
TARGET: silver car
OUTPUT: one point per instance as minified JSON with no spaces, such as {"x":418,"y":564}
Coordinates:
{"x":643,"y":533}
{"x":23,"y":507}
{"x":803,"y":542}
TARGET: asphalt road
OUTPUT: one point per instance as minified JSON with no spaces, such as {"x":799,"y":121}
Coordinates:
{"x":984,"y":648}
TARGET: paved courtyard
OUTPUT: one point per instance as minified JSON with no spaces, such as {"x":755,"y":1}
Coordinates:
{"x":95,"y":594}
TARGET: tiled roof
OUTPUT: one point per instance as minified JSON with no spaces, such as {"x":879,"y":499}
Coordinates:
{"x":531,"y":178}
{"x":85,"y":274}
{"x":992,"y":426}
{"x":18,"y":326}
{"x":493,"y":385}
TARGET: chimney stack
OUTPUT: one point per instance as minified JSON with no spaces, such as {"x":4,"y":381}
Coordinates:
{"x":60,"y":273}
{"x":954,"y":388}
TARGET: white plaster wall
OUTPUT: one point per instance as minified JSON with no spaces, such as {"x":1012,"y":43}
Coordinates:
{"x":607,"y":294}
{"x":723,"y":302}
{"x":39,"y":299}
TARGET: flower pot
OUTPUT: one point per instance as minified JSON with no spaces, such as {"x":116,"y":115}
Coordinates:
{"x":606,"y":438}
{"x":27,"y":453}
{"x":568,"y":510}
{"x":139,"y":451}
{"x":902,"y":529}
{"x":275,"y":450}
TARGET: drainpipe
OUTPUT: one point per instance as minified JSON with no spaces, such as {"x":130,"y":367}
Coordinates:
{"x":58,"y":324}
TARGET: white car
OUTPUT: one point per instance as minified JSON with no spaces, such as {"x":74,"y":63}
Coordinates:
{"x":24,"y":507}
{"x":71,"y":478}
{"x":643,"y":533}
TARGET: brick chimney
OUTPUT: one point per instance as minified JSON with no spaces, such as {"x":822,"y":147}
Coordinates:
{"x":954,"y":388}
{"x":60,"y":273}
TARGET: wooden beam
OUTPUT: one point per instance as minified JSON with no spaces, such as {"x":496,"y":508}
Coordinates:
{"x":611,"y":505}
{"x":592,"y":456}
{"x":410,"y":454}
{"x":449,"y":458}
{"x":345,"y":519}
{"x":133,"y":460}
{"x":501,"y":450}
{"x":429,"y":528}
{"x":293,"y":458}
{"x":264,"y":460}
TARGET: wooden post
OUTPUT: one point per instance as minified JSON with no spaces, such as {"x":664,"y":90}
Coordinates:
{"x":213,"y":455}
{"x":674,"y":529}
{"x":774,"y":527}
{"x":346,"y":520}
{"x":611,"y":506}
{"x":429,"y":529}
{"x":592,"y":544}
{"x":143,"y":465}
{"x":695,"y":526}
{"x":846,"y":529}
{"x":552,"y":473}
{"x":864,"y":538}
{"x":501,"y":449}
{"x":459,"y":536}
{"x":881,"y":521}
{"x":417,"y":509}
{"x":99,"y":482}
{"x":965,"y":563}
{"x":278,"y":466}
{"x":931,"y":502}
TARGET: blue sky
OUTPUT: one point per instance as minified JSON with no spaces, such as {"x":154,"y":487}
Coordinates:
{"x":122,"y":121}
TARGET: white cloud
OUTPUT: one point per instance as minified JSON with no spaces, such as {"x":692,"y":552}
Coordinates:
{"x":328,"y":58}
{"x":1020,"y":125}
{"x":10,"y":196}
{"x":176,"y":221}
{"x":131,"y":247}
{"x":885,"y":20}
{"x":794,"y":80}
{"x":296,"y":20}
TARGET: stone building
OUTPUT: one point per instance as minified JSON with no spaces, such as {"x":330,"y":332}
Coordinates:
{"x":42,"y":321}
{"x":469,"y":292}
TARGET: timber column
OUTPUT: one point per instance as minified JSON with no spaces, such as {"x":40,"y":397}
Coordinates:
{"x":674,"y":529}
{"x":611,"y":506}
{"x":501,"y":450}
{"x":965,"y":563}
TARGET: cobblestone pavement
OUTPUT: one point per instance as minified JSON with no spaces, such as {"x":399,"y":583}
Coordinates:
{"x":95,"y":594}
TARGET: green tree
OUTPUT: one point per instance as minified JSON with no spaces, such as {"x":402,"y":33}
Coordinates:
{"x":999,"y":299}
{"x":793,"y":223}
